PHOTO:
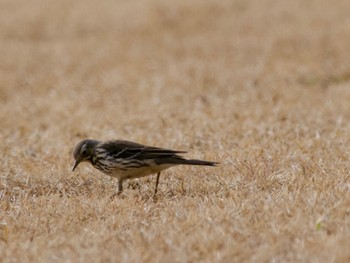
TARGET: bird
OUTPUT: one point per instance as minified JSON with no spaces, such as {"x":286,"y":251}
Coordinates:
{"x":128,"y":160}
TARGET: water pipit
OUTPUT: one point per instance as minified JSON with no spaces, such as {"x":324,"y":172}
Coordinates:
{"x":128,"y":160}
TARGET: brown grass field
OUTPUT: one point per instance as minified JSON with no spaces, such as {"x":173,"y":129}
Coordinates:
{"x":261,"y":86}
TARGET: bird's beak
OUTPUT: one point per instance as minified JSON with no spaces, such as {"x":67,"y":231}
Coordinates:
{"x":76,"y":164}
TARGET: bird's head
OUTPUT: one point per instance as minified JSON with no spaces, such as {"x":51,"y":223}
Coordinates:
{"x":84,"y":151}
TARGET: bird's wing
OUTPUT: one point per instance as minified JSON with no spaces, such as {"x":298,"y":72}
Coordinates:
{"x":131,"y":150}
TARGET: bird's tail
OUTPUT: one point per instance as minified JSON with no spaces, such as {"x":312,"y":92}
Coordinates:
{"x":199,"y":162}
{"x":178,"y":160}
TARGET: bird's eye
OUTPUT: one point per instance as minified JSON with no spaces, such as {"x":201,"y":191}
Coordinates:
{"x":84,"y":152}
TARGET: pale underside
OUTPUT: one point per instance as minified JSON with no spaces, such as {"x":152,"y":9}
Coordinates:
{"x":117,"y":169}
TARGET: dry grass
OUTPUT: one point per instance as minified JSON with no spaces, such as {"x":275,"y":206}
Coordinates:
{"x":261,"y":86}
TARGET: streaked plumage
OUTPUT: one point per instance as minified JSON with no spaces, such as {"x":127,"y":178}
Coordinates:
{"x":127,"y":160}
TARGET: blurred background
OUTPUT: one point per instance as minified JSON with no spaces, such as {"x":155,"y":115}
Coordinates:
{"x":117,"y":69}
{"x":258,"y":81}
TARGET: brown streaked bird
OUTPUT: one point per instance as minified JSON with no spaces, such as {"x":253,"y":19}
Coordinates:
{"x":128,"y":160}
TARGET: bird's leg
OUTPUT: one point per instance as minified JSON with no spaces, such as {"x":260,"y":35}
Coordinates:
{"x":120,"y":186}
{"x":157,"y":182}
{"x":120,"y":189}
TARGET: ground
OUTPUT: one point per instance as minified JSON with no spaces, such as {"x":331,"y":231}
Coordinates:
{"x":261,"y":86}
